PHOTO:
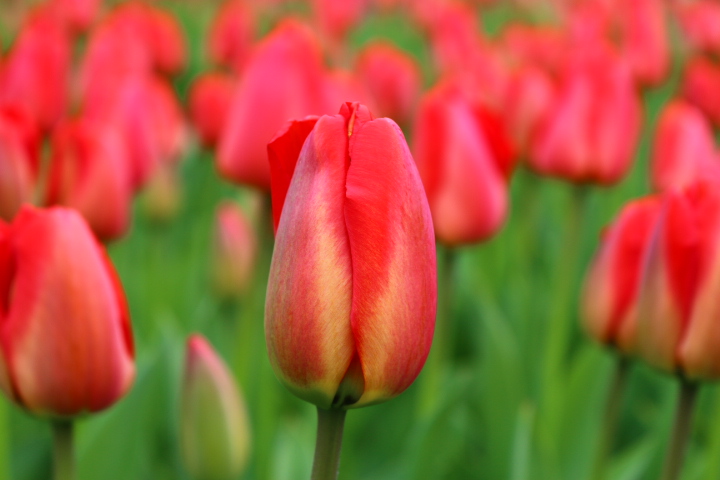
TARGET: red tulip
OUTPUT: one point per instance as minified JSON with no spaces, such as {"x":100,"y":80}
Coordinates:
{"x":337,"y":18}
{"x":593,"y":129}
{"x":392,"y":77}
{"x":209,"y":102}
{"x":544,"y":47}
{"x":677,"y":323}
{"x":19,"y":161}
{"x":644,"y":39}
{"x":352,"y":292}
{"x":283,"y":80}
{"x":701,"y":78}
{"x":234,"y":253}
{"x":684,"y":148}
{"x":610,"y":296}
{"x":89,"y":171}
{"x":65,"y":342}
{"x":77,"y":14}
{"x":231,"y":35}
{"x":700,"y":22}
{"x":36,"y":72}
{"x":464,"y":161}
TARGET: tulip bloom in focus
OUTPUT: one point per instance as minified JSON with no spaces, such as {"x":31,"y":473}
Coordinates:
{"x":352,"y":293}
{"x":392,"y":77}
{"x":209,"y":102}
{"x":234,"y":253}
{"x":465,"y":162}
{"x":677,"y":327}
{"x":65,"y":338}
{"x":609,"y":302}
{"x":684,"y":147}
{"x":284,"y":79}
{"x":89,"y":172}
{"x":214,"y":430}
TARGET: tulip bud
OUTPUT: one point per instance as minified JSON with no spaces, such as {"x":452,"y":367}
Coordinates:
{"x":209,"y":101}
{"x":465,"y":163}
{"x":89,"y":172}
{"x":684,"y":147}
{"x":214,"y":431}
{"x":678,"y":310}
{"x":609,"y":301}
{"x":352,"y":293}
{"x":235,"y":252}
{"x":392,"y":77}
{"x":66,"y":344}
{"x":283,"y":79}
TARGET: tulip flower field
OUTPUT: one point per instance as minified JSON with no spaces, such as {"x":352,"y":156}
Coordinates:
{"x":359,"y":239}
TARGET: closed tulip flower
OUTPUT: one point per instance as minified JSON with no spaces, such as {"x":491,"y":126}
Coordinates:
{"x":465,"y":161}
{"x":209,"y":102}
{"x":684,"y":147}
{"x":19,"y":161}
{"x":700,"y":23}
{"x":230,"y":40}
{"x":214,"y":430}
{"x":351,"y":299}
{"x":644,"y":39}
{"x":284,"y":79}
{"x":234,"y":253}
{"x":392,"y":77}
{"x":66,"y":343}
{"x":699,"y":86}
{"x":89,"y":171}
{"x":677,"y":324}
{"x":610,"y":296}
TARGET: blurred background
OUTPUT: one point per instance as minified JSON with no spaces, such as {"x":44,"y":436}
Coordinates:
{"x":514,"y":389}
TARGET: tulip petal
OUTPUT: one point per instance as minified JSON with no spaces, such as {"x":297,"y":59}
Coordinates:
{"x":393,"y":259}
{"x":309,"y":339}
{"x":283,"y":153}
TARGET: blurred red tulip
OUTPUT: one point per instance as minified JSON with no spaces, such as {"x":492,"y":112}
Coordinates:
{"x":392,"y":77}
{"x":593,"y":129}
{"x":209,"y":102}
{"x":700,"y":23}
{"x":231,"y":36}
{"x":543,"y":46}
{"x":79,"y":15}
{"x":36,"y":72}
{"x":610,"y":295}
{"x":52,"y":269}
{"x":677,"y":327}
{"x":644,"y":39}
{"x":701,"y":78}
{"x":684,"y":147}
{"x":464,"y":160}
{"x":335,"y":18}
{"x":351,"y":299}
{"x":344,"y":86}
{"x":234,"y":253}
{"x":89,"y":171}
{"x":284,"y":79}
{"x":19,"y":161}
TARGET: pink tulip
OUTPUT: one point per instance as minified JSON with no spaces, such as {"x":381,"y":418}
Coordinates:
{"x":89,"y":171}
{"x":351,"y":297}
{"x":234,"y":253}
{"x":684,"y":148}
{"x":283,"y":80}
{"x":209,"y":102}
{"x":66,"y":344}
{"x":610,"y":296}
{"x":392,"y":77}
{"x":231,"y":35}
{"x":464,"y":160}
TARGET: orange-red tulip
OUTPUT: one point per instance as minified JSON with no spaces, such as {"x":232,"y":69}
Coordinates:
{"x":684,"y":147}
{"x":66,"y":344}
{"x":392,"y":77}
{"x":234,"y":253}
{"x":610,"y":296}
{"x":464,"y":160}
{"x":89,"y":171}
{"x":352,"y":293}
{"x":209,"y":102}
{"x":231,"y":35}
{"x":283,"y":80}
{"x":677,"y":327}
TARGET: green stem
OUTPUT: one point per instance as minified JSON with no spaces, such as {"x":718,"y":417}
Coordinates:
{"x":612,"y":415}
{"x":681,"y":430}
{"x":326,"y":465}
{"x":63,"y":455}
